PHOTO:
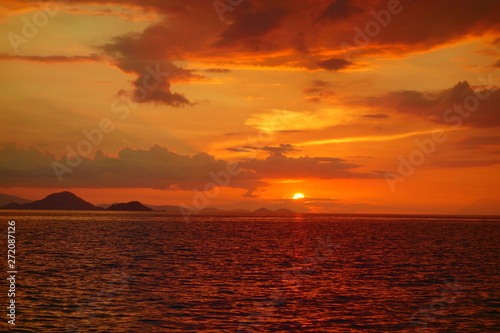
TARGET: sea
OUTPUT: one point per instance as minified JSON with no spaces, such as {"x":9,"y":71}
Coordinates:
{"x":155,"y":272}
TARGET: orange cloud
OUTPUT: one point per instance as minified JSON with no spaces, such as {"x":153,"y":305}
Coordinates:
{"x":287,"y":33}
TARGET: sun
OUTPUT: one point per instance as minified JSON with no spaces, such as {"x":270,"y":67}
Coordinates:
{"x":298,"y":196}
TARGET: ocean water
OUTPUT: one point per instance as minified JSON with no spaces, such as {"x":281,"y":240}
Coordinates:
{"x":152,"y":272}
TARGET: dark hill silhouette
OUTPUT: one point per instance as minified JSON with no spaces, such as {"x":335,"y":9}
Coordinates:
{"x":166,"y":208}
{"x":129,"y":206}
{"x":13,"y":205}
{"x":482,"y":206}
{"x":263,"y":211}
{"x":56,"y":201}
{"x":212,"y":210}
{"x":69,"y":201}
{"x":7,"y":199}
{"x":269,"y":211}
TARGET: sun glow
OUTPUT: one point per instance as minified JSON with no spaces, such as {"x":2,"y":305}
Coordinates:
{"x":298,"y":196}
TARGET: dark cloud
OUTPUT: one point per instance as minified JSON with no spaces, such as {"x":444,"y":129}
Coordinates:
{"x":378,"y":115}
{"x":312,"y":90}
{"x":339,"y":10}
{"x":497,"y":64}
{"x":279,"y":166}
{"x":251,"y":24}
{"x":276,"y":151}
{"x":156,"y":168}
{"x":317,"y":86}
{"x":321,"y":83}
{"x":195,"y":26}
{"x":238,"y":150}
{"x":456,"y":106}
{"x":133,"y":54}
{"x":257,"y":30}
{"x":334,"y":64}
{"x":217,"y":70}
{"x":160,"y":168}
{"x":319,"y":92}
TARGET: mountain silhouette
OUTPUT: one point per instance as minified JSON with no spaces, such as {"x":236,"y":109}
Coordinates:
{"x":263,"y":211}
{"x":482,"y":206}
{"x":69,"y":201}
{"x":129,"y":206}
{"x":6,"y":199}
{"x":56,"y":201}
{"x":269,"y":211}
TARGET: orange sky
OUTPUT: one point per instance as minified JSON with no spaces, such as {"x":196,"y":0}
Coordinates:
{"x":363,"y":106}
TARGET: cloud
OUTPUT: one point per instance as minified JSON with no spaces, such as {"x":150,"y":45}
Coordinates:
{"x":319,"y":92}
{"x":250,"y":24}
{"x":473,"y":107}
{"x":238,"y":150}
{"x":275,"y":151}
{"x":217,"y":70}
{"x":278,"y":166}
{"x":378,"y":116}
{"x":269,"y":33}
{"x":160,"y":168}
{"x":339,"y":10}
{"x":13,"y":158}
{"x":131,"y":55}
{"x":263,"y":27}
{"x":321,"y":83}
{"x":334,"y":64}
{"x":155,"y":168}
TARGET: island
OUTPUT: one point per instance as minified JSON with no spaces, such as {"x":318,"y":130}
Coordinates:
{"x":134,"y":206}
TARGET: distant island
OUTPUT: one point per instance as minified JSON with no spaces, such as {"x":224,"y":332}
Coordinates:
{"x":269,"y":211}
{"x":68,"y":201}
{"x":7,"y":199}
{"x":56,"y":201}
{"x":135,"y":206}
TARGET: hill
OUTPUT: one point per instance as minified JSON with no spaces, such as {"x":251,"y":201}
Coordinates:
{"x":134,"y":206}
{"x":166,"y":208}
{"x":269,"y":211}
{"x":56,"y":201}
{"x":482,"y":206}
{"x":263,"y":211}
{"x":7,"y":199}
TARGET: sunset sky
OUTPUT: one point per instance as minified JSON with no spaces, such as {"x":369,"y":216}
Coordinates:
{"x":363,"y":106}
